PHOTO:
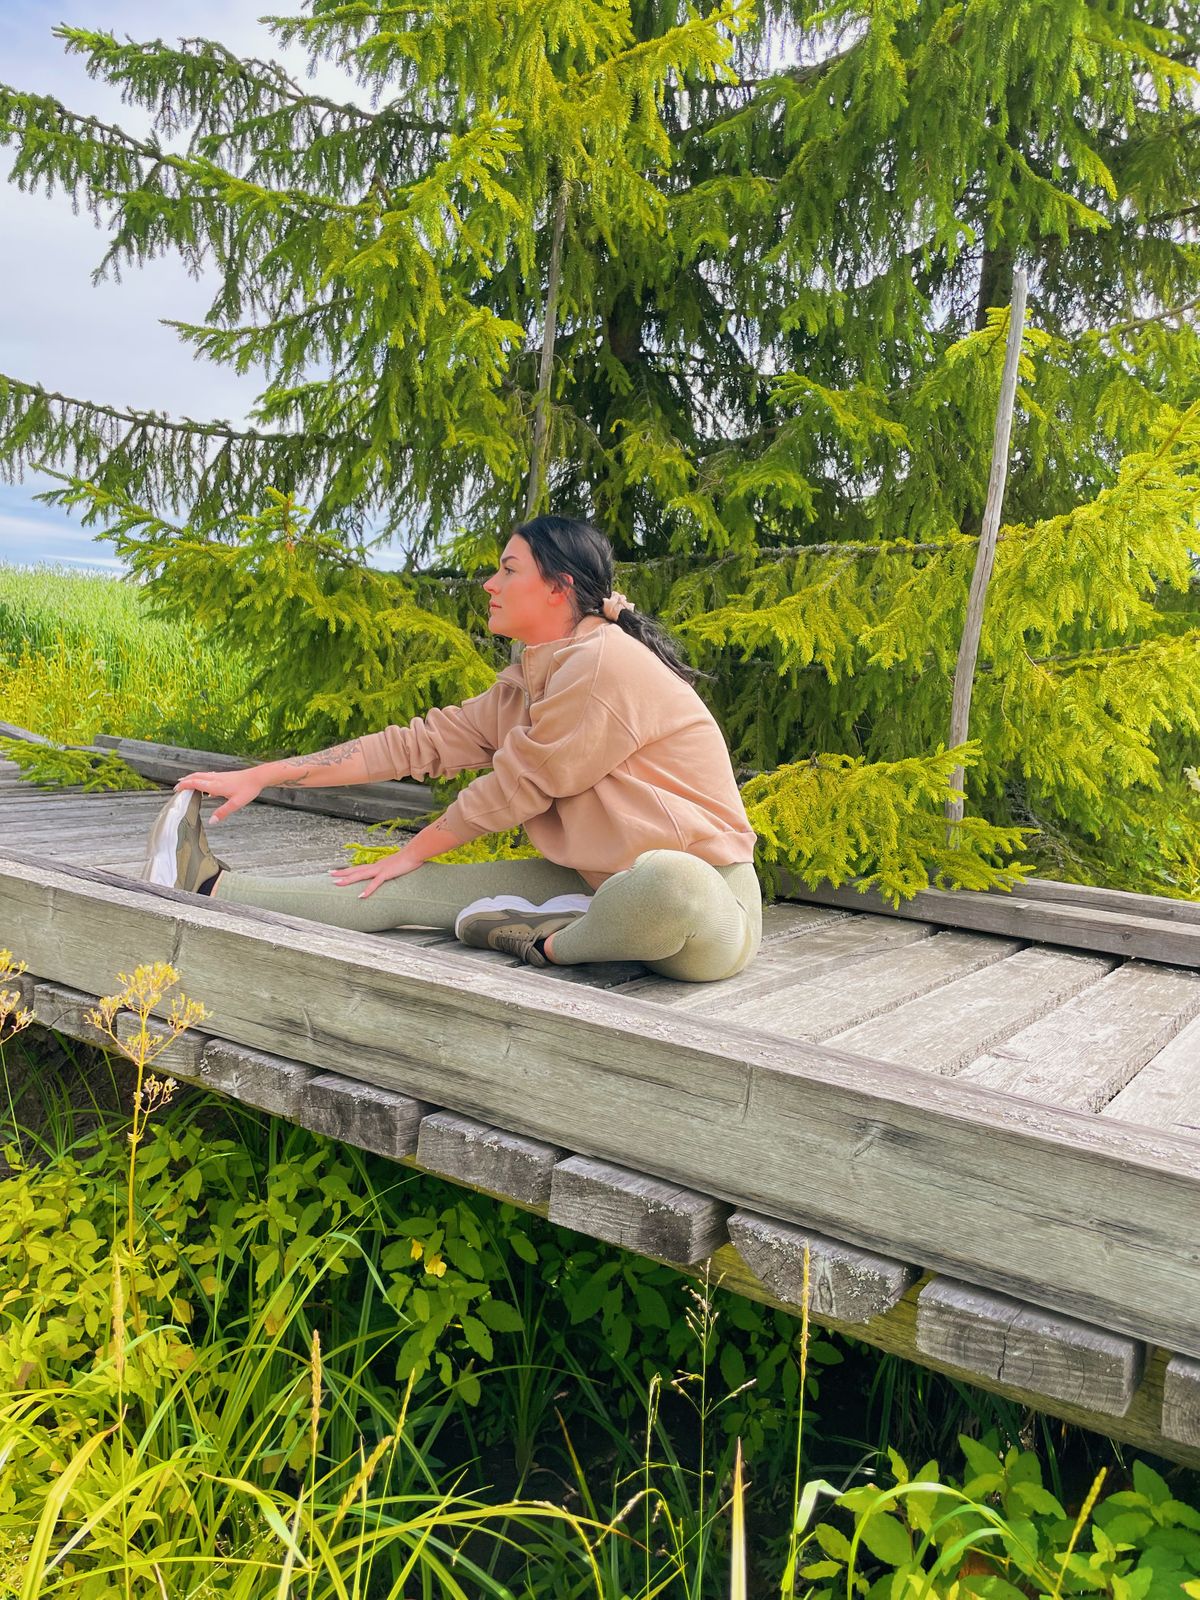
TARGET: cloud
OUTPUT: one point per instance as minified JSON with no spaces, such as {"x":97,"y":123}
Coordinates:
{"x":106,"y":342}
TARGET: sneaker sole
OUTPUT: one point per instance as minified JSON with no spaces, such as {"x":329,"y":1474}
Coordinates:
{"x":514,"y":902}
{"x":163,"y":843}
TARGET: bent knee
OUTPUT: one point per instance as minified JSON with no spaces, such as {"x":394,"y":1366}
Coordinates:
{"x":679,"y":884}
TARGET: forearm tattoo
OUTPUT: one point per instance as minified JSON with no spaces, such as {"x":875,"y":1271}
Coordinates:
{"x":338,"y":756}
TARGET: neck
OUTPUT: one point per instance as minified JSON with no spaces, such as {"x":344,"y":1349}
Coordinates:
{"x":559,"y":628}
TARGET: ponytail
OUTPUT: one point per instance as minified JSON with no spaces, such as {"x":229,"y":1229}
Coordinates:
{"x":565,"y":548}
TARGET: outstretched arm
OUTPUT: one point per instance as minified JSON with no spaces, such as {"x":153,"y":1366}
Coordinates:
{"x":341,"y":763}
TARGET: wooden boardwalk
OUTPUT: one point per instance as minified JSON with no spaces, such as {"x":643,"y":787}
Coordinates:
{"x":981,"y":1116}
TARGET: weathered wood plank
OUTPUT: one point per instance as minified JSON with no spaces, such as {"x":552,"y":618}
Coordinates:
{"x":176,"y":1058}
{"x":848,"y":1284}
{"x":1080,"y":926}
{"x":857,"y":1149}
{"x":830,"y":946}
{"x":504,"y":1164}
{"x":1081,"y":1054}
{"x":1181,"y":1402}
{"x":1166,"y":1092}
{"x":369,"y":802}
{"x":832,"y":1002}
{"x":785,"y":920}
{"x":1051,"y":1355}
{"x":363,"y":1114}
{"x":257,"y":1078}
{"x":940,"y":1032}
{"x":65,"y":1010}
{"x":1120,"y":900}
{"x":635,"y":1211}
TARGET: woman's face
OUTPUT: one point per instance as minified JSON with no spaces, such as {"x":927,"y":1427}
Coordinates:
{"x":524,"y":605}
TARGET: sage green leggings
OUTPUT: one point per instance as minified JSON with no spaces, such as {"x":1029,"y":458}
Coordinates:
{"x":672,"y":911}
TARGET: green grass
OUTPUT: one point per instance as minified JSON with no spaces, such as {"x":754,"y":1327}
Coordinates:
{"x":82,"y":655}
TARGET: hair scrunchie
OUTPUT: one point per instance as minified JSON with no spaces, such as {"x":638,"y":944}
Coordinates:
{"x":615,"y":604}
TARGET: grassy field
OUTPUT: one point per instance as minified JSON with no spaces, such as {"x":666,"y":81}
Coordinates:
{"x":82,"y":655}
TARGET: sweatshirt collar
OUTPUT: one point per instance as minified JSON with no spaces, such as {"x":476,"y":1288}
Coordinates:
{"x":537,"y":659}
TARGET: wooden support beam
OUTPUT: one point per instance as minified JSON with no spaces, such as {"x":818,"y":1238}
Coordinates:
{"x":180,"y":1058}
{"x":1004,"y":1340}
{"x":22,"y":985}
{"x":849,"y":1285}
{"x":1181,"y":1401}
{"x":256,"y":1078}
{"x":65,"y":1011}
{"x":637,"y":1212}
{"x":363,"y":1114}
{"x":502,"y":1164}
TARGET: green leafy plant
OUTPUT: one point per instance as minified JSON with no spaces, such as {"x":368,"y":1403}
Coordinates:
{"x":53,"y":767}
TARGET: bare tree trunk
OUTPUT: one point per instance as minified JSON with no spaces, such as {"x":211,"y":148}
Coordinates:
{"x":541,"y":404}
{"x":541,"y":414}
{"x":968,"y":649}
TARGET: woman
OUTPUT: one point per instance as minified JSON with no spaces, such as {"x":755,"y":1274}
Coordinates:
{"x":597,"y":744}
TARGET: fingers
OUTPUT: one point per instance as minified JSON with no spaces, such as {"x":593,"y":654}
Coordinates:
{"x":353,"y":874}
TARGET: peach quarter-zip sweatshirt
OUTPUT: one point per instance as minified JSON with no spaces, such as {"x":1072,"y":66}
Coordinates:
{"x":594,"y":745}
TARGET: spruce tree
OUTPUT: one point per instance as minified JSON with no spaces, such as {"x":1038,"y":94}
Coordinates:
{"x":785,"y":248}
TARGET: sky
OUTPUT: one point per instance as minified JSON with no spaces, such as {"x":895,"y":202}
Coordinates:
{"x":100,"y":342}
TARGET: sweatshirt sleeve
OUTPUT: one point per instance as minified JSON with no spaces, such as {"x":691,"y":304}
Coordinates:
{"x":575,"y":738}
{"x":452,"y":739}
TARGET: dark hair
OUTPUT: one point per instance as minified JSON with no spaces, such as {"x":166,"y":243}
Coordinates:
{"x":565,"y":548}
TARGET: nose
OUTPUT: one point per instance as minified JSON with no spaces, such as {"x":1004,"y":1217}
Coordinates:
{"x":490,"y":586}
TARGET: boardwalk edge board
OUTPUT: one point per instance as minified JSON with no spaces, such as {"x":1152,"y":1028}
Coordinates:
{"x":1131,"y":930}
{"x":277,"y":1084}
{"x":637,"y":1212}
{"x":844,"y":1284}
{"x":482,"y":1157}
{"x":857,"y":1149}
{"x":1008,"y":1342}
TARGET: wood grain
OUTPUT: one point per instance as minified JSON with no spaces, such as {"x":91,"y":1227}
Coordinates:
{"x":944,"y":1030}
{"x":257,"y":1078}
{"x":849,"y":1285}
{"x":1075,"y":923}
{"x":1083,"y":1052}
{"x":363,"y":1114}
{"x":502,"y":1164}
{"x":1005,"y":1341}
{"x":639,"y":1213}
{"x":1166,"y":1092}
{"x":819,"y":1007}
{"x":1181,"y":1402}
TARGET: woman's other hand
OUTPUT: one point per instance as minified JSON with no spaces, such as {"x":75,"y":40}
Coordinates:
{"x":431,"y":841}
{"x":236,"y":788}
{"x":374,"y":873}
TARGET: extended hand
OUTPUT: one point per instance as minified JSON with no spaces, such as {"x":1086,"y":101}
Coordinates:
{"x":238,"y":788}
{"x":373,"y":873}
